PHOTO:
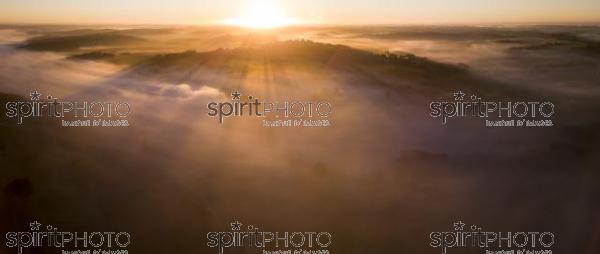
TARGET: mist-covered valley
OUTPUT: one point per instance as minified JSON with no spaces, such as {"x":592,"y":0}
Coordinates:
{"x":381,"y":178}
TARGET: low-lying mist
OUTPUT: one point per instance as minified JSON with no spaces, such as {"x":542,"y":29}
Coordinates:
{"x":380,"y":179}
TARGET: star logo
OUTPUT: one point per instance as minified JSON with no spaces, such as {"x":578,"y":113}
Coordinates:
{"x":35,"y":226}
{"x":458,"y":96}
{"x":236,"y":226}
{"x":35,"y":95}
{"x":459,"y":225}
{"x":236,"y":95}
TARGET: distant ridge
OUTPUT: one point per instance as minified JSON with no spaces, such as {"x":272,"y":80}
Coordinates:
{"x":73,"y":42}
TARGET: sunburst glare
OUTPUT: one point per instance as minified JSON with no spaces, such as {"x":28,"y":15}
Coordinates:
{"x":262,"y":15}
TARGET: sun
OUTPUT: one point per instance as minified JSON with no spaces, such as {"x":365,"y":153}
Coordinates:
{"x":262,"y":15}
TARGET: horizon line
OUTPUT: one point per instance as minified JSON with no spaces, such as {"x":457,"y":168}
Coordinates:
{"x":312,"y":24}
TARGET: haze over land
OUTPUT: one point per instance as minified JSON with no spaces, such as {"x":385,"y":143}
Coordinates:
{"x":380,"y":179}
{"x":356,"y":12}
